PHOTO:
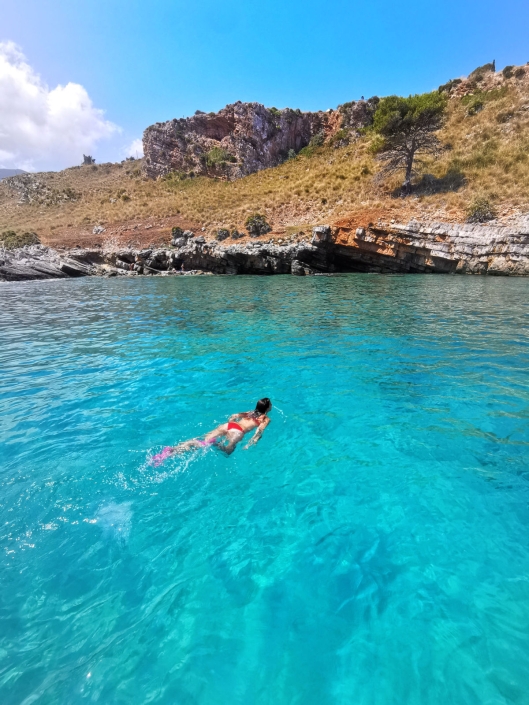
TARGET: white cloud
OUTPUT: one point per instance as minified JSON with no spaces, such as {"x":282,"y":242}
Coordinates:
{"x":135,"y":149}
{"x":42,"y":128}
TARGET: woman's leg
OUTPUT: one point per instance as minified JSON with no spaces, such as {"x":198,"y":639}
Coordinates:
{"x":233,"y":437}
{"x":194,"y":443}
{"x":218,"y":432}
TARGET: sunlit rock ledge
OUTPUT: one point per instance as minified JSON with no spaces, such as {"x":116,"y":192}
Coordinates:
{"x":428,"y":247}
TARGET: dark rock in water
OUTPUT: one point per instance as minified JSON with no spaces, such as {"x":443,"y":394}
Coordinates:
{"x":75,"y":269}
{"x":297,"y":268}
{"x":30,"y":262}
{"x":48,"y":270}
{"x":16,"y":271}
{"x":300,"y":269}
{"x":120,"y":264}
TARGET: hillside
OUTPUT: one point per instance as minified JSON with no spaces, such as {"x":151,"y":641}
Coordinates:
{"x":486,"y":132}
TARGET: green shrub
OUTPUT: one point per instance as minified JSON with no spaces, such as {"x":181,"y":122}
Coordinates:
{"x":218,"y":156}
{"x":520,"y":72}
{"x":275,"y":112}
{"x":10,"y":240}
{"x":480,"y":211}
{"x":121,"y":193}
{"x":508,"y":72}
{"x":377,"y":144}
{"x":475,"y":102}
{"x":256,"y":225}
{"x":174,"y":177}
{"x":235,"y":234}
{"x":504,"y":116}
{"x":485,"y":96}
{"x":222,"y":234}
{"x":317,"y":140}
{"x":447,"y":87}
{"x":340,"y":138}
{"x":479,"y":73}
{"x":475,"y":107}
{"x":291,"y":154}
{"x":307,"y":151}
{"x":176,"y":232}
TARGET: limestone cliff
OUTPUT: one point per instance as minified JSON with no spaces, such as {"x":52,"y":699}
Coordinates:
{"x":242,"y":138}
{"x":433,"y":247}
{"x":382,"y":247}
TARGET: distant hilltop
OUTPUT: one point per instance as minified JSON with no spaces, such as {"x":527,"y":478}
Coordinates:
{"x":6,"y":173}
{"x":243,"y":138}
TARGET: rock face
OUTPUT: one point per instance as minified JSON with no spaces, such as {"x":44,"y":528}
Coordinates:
{"x":38,"y":262}
{"x":388,"y":248}
{"x":242,"y":138}
{"x":433,"y":247}
{"x":30,"y":189}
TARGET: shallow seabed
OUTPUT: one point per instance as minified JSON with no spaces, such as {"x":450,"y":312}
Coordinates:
{"x":372,"y":549}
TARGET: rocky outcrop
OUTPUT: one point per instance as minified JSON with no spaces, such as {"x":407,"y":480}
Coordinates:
{"x":383,"y":247}
{"x":38,"y":262}
{"x":242,"y":138}
{"x":29,"y":188}
{"x":433,"y":247}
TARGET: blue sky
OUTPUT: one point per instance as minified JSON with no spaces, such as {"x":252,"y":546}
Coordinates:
{"x":143,"y":62}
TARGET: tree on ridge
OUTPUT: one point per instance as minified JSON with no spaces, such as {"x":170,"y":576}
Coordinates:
{"x":407,"y":126}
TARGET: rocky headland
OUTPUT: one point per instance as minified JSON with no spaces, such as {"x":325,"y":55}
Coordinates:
{"x":413,"y":247}
{"x":243,"y":138}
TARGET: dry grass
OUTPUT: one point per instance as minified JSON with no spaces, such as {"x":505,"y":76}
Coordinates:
{"x":487,"y":156}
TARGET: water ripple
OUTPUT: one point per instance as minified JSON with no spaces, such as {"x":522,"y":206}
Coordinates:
{"x":372,"y":548}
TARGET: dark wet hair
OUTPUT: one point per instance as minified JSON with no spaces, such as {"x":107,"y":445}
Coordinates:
{"x":263,"y":405}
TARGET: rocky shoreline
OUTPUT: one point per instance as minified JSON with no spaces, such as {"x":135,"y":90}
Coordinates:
{"x":414,"y":247}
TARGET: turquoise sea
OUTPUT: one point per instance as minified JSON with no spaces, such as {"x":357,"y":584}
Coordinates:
{"x":372,"y":549}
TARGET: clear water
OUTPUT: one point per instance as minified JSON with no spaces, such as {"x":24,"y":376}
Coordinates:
{"x":373,"y":548}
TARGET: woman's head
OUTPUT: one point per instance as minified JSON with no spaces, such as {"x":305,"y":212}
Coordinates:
{"x":263,"y":406}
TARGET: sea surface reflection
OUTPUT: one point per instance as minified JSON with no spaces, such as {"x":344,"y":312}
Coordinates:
{"x":371,"y":549}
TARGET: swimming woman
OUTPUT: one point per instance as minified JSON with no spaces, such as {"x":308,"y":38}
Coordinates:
{"x":226,"y":436}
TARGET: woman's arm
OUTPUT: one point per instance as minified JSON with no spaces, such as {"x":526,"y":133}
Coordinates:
{"x":258,"y":433}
